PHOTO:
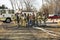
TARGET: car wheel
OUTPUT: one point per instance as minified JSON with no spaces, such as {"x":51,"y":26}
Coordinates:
{"x":8,"y":20}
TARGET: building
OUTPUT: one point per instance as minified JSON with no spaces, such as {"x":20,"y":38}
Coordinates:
{"x":29,"y":12}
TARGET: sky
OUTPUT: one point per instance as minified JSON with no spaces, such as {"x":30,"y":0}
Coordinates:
{"x":7,"y":3}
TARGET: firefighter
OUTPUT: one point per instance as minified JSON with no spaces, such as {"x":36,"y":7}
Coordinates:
{"x":27,"y":19}
{"x":17,"y":18}
{"x":33,"y":19}
{"x":23,"y":21}
{"x":39,"y":20}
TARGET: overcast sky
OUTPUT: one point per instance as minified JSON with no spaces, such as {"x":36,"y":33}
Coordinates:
{"x":7,"y":3}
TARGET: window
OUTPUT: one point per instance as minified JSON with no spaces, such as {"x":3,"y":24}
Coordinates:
{"x":11,"y":11}
{"x":0,"y":12}
{"x":3,"y":11}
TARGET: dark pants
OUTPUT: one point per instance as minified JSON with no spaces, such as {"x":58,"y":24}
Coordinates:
{"x":30,"y":23}
{"x":17,"y":19}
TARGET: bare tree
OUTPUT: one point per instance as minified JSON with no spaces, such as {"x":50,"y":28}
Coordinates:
{"x":21,"y":4}
{"x":29,"y":4}
{"x":51,"y":6}
{"x":54,"y":4}
{"x":12,"y":4}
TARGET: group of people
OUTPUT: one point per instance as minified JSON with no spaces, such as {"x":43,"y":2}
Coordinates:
{"x":27,"y":20}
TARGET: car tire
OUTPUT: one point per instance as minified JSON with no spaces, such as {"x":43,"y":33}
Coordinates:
{"x":8,"y":20}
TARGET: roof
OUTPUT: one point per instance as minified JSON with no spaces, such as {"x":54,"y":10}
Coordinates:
{"x":28,"y":11}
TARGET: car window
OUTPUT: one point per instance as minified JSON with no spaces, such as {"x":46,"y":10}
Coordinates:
{"x":11,"y":11}
{"x":3,"y":11}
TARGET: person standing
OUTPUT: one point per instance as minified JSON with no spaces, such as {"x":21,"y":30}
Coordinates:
{"x":17,"y":18}
{"x":33,"y":19}
{"x":23,"y":21}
